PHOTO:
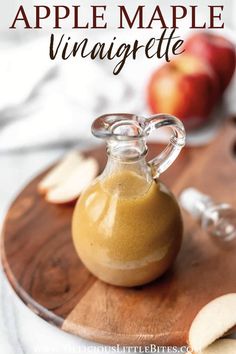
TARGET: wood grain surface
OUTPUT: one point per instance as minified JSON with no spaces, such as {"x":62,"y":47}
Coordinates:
{"x":43,"y":268}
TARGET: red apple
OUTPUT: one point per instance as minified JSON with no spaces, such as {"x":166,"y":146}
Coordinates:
{"x":186,"y":87}
{"x":218,"y":51}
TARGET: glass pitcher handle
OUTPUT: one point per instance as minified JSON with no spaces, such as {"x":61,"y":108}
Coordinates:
{"x":177,"y":141}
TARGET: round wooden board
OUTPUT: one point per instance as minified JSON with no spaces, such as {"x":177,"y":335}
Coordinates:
{"x":41,"y":264}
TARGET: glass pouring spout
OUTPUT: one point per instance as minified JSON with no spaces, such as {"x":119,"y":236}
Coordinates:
{"x":126,"y":135}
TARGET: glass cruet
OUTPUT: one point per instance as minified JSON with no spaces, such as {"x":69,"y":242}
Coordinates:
{"x":127,"y":226}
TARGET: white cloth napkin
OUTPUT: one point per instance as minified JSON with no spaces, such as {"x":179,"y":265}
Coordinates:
{"x":46,"y":102}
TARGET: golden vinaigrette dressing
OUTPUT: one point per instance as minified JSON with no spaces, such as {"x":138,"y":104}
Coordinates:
{"x":127,"y":232}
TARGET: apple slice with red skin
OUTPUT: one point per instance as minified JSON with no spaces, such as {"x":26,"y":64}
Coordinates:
{"x":217,"y":51}
{"x":186,"y":87}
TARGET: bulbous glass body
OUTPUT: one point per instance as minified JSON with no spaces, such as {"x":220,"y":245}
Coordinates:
{"x":127,"y":229}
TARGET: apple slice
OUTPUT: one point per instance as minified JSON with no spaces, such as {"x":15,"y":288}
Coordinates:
{"x":80,"y":178}
{"x":221,"y":346}
{"x":60,"y":172}
{"x":212,"y":322}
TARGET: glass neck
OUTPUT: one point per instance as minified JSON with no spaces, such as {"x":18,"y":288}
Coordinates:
{"x":118,"y":165}
{"x":127,"y":150}
{"x":128,"y":155}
